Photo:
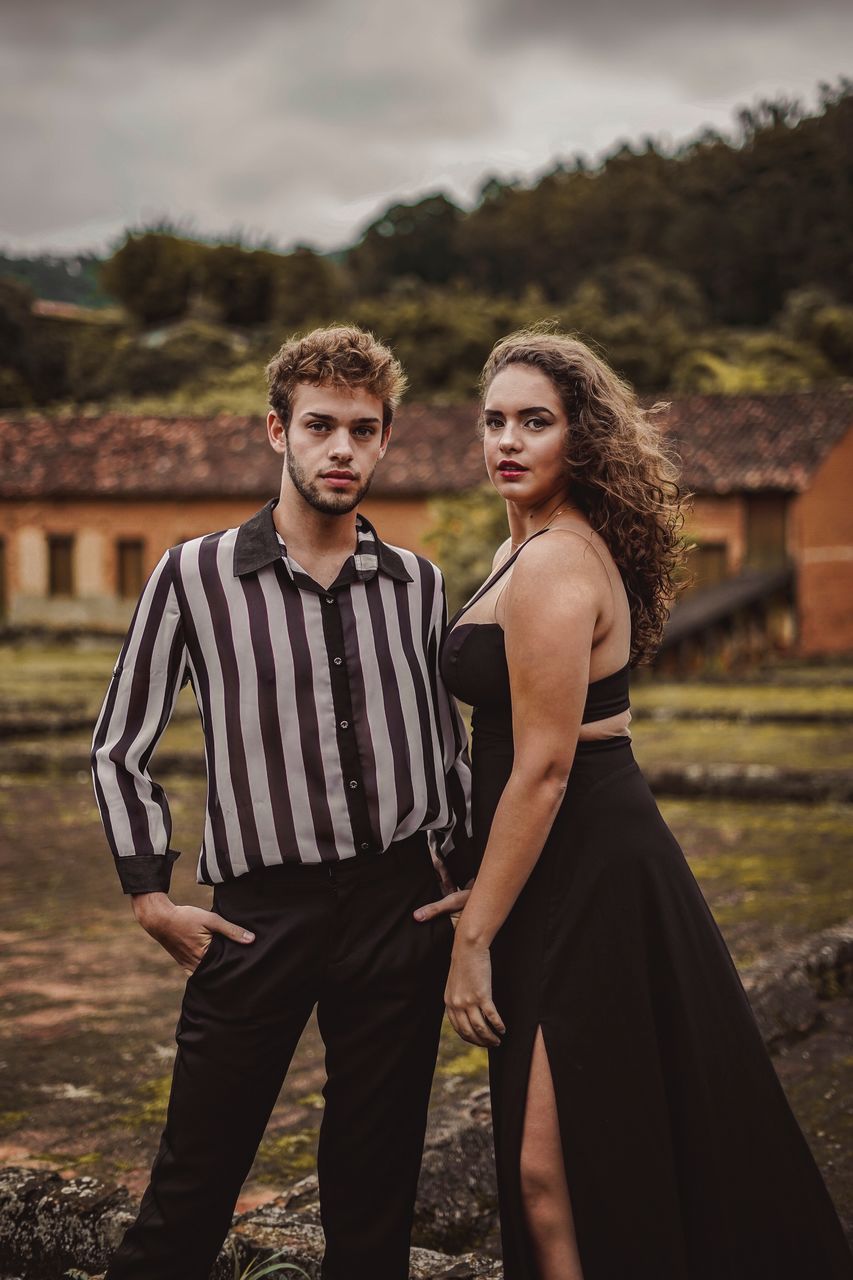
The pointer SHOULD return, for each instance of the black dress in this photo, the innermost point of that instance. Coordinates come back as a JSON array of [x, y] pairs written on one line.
[[683, 1158]]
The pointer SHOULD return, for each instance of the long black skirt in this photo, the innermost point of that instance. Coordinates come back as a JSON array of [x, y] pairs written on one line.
[[683, 1158]]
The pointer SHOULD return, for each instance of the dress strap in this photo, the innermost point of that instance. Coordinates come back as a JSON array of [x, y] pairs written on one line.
[[493, 577]]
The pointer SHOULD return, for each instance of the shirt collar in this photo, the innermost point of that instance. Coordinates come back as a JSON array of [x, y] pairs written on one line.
[[257, 544]]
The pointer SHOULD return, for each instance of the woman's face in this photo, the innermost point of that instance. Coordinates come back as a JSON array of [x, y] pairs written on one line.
[[524, 441]]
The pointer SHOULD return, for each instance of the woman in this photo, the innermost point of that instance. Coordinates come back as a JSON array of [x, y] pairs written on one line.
[[640, 1128]]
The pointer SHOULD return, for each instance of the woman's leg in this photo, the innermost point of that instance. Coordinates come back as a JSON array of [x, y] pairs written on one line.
[[544, 1189]]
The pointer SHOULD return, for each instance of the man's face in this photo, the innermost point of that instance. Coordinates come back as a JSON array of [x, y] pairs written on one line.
[[332, 445]]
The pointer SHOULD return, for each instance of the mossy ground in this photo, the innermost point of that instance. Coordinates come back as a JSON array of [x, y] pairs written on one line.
[[810, 747], [91, 1002]]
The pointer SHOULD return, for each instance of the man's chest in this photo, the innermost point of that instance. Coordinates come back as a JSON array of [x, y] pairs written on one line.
[[263, 633]]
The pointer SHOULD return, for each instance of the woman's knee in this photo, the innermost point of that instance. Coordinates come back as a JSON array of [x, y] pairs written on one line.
[[540, 1181]]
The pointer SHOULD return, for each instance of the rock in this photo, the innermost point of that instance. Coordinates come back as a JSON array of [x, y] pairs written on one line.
[[457, 1203], [787, 987], [57, 1229], [750, 782], [49, 1224], [456, 1206]]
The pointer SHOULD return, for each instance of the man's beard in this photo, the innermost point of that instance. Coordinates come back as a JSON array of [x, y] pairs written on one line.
[[331, 504]]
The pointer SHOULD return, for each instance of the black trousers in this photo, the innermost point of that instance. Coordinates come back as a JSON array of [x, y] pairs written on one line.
[[339, 936]]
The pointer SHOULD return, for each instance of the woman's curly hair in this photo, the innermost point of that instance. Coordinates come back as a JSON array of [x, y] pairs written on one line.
[[621, 473]]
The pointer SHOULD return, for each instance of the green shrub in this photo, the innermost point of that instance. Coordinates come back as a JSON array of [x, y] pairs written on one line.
[[755, 362], [466, 532], [14, 389], [154, 363]]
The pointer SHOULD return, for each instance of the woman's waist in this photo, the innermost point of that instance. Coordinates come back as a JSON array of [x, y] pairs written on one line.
[[493, 752], [493, 728]]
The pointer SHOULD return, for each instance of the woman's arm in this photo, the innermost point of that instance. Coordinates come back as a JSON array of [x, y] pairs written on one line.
[[554, 601]]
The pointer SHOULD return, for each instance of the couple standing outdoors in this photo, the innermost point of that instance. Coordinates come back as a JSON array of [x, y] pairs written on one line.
[[640, 1128]]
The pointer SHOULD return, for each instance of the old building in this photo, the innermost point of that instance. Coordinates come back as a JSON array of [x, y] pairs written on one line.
[[88, 504]]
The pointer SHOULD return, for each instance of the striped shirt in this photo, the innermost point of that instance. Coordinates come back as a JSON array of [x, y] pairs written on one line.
[[328, 731]]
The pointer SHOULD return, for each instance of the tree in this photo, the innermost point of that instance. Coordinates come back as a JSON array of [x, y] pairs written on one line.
[[239, 282], [442, 336], [152, 274], [308, 286], [643, 287], [409, 240], [16, 323], [813, 316]]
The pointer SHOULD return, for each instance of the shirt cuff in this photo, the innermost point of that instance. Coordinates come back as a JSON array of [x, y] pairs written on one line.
[[146, 872]]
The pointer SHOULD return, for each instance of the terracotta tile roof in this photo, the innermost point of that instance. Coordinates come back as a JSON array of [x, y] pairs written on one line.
[[730, 444], [727, 444]]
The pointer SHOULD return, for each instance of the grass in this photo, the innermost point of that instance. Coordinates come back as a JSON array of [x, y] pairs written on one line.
[[274, 1264], [772, 873], [735, 698], [471, 1064], [56, 677], [149, 1108], [284, 1157], [812, 746]]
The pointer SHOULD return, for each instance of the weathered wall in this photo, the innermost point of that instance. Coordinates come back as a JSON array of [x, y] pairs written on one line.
[[97, 527], [719, 519], [823, 523]]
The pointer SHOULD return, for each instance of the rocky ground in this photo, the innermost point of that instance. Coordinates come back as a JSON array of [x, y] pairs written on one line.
[[90, 1002]]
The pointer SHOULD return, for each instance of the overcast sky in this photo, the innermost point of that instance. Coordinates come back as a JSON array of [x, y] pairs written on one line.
[[301, 119]]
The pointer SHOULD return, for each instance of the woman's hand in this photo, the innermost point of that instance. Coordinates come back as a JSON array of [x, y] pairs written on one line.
[[468, 995]]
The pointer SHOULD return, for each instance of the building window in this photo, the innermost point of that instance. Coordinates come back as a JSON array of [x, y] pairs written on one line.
[[60, 552], [130, 567], [765, 529], [707, 564]]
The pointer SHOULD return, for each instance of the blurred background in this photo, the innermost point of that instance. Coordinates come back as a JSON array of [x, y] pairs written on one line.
[[189, 184]]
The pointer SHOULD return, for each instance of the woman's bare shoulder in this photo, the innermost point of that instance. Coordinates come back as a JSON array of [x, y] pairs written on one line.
[[545, 556], [501, 553]]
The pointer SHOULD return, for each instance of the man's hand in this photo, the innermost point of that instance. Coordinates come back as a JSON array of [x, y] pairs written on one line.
[[451, 902], [185, 932]]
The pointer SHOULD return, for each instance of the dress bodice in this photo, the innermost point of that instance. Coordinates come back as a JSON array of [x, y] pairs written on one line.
[[474, 668]]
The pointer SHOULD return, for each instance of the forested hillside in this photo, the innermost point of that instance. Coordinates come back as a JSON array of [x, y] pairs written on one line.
[[723, 264]]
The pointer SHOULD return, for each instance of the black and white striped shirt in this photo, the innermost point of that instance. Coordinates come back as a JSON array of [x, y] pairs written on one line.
[[328, 731]]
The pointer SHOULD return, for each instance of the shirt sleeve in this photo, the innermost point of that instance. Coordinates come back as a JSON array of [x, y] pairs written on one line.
[[140, 699], [453, 843]]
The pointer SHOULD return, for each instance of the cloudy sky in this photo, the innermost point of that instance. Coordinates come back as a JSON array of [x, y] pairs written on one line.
[[300, 119]]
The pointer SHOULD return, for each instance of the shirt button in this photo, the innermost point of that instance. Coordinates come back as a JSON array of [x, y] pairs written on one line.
[[330, 599], [345, 724], [365, 845], [338, 661], [353, 784]]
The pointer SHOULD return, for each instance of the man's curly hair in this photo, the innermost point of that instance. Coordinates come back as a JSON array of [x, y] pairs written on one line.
[[337, 356]]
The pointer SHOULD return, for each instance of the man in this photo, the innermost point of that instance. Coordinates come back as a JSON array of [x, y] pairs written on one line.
[[338, 777]]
